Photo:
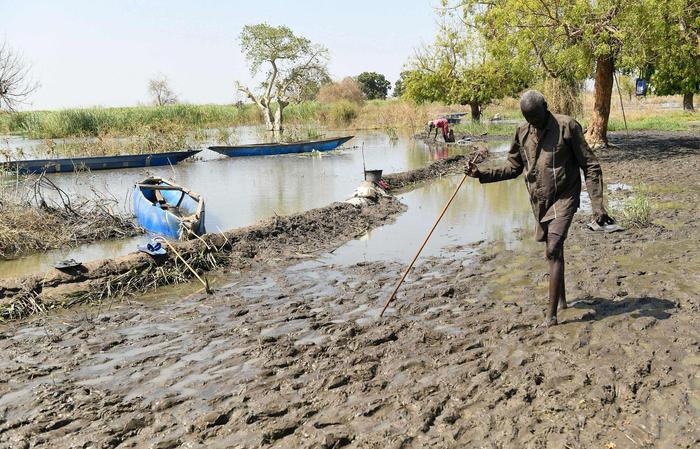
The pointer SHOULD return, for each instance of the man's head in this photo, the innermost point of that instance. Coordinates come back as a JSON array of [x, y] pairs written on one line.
[[534, 108]]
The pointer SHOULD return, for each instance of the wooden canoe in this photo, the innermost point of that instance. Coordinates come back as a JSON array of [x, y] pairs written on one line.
[[270, 149], [66, 165]]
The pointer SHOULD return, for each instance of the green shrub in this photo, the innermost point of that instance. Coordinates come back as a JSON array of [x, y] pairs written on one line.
[[343, 112], [636, 211]]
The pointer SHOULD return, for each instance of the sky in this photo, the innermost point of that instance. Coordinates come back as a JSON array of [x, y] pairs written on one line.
[[103, 52]]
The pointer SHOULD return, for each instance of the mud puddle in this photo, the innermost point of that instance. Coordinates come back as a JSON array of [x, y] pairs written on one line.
[[479, 212]]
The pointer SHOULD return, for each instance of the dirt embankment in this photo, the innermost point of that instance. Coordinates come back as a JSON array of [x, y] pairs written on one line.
[[281, 239], [437, 169], [295, 356]]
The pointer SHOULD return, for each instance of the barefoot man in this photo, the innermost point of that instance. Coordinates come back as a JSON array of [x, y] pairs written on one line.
[[550, 149], [441, 124]]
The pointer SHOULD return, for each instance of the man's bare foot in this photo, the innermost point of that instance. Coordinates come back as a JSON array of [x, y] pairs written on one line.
[[562, 304], [549, 322]]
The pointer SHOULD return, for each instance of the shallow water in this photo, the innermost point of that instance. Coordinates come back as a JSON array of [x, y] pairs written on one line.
[[241, 191], [478, 212]]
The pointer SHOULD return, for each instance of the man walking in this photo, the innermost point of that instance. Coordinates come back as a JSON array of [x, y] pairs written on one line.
[[550, 149]]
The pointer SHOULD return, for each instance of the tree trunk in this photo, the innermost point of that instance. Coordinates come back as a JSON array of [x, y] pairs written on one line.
[[688, 102], [278, 114], [476, 112], [267, 115], [597, 133]]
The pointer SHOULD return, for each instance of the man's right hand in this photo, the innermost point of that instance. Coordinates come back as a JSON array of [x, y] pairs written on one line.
[[470, 169]]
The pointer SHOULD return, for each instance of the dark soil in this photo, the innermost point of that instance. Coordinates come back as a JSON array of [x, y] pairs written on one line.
[[295, 356]]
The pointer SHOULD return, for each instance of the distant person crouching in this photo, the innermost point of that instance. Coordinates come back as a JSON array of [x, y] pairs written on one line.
[[442, 124]]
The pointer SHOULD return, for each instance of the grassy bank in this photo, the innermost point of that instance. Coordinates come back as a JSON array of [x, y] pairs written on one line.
[[128, 121], [134, 121], [174, 124]]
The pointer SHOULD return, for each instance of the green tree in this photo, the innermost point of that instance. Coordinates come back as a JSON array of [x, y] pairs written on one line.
[[293, 65], [573, 40], [626, 86], [456, 70], [672, 49], [374, 85], [399, 85]]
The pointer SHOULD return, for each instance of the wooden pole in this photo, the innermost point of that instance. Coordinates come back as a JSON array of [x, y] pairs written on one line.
[[364, 168], [627, 131], [479, 155], [203, 281], [405, 273]]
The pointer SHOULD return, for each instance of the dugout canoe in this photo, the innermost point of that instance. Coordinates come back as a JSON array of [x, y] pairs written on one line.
[[270, 149], [165, 208], [66, 165]]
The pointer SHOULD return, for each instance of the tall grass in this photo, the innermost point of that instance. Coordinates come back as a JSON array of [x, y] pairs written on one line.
[[652, 113], [636, 211], [124, 121]]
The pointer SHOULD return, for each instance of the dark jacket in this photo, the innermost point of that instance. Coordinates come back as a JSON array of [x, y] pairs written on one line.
[[551, 166]]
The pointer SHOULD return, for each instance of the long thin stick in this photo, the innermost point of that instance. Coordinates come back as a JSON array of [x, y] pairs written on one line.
[[364, 168], [479, 154], [405, 273], [627, 131], [204, 282]]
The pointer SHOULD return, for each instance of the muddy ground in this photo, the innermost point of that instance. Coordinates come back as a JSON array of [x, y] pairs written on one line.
[[295, 356]]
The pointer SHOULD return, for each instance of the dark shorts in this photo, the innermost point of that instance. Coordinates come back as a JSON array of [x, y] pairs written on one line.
[[554, 232]]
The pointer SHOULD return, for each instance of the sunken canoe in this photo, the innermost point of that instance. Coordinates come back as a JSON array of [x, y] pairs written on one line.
[[165, 208], [66, 165], [270, 149]]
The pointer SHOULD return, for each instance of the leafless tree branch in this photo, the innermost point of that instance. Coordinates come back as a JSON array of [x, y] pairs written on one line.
[[15, 83]]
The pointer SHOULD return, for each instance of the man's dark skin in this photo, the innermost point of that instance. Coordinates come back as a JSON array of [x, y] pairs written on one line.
[[541, 121]]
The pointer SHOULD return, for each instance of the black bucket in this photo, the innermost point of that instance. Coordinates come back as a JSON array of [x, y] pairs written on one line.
[[373, 175]]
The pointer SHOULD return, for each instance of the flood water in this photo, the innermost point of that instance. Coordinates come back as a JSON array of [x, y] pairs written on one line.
[[478, 212], [241, 191]]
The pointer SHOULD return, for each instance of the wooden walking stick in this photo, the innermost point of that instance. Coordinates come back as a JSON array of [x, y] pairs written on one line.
[[480, 154]]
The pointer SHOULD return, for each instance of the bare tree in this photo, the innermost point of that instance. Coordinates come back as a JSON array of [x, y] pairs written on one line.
[[15, 82], [160, 91]]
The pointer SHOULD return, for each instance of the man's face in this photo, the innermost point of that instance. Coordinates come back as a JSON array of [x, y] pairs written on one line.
[[536, 116]]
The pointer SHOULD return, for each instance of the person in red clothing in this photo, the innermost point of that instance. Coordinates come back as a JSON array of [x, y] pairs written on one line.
[[442, 124]]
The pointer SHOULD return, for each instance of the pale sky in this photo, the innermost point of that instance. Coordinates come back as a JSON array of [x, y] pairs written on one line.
[[102, 53]]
